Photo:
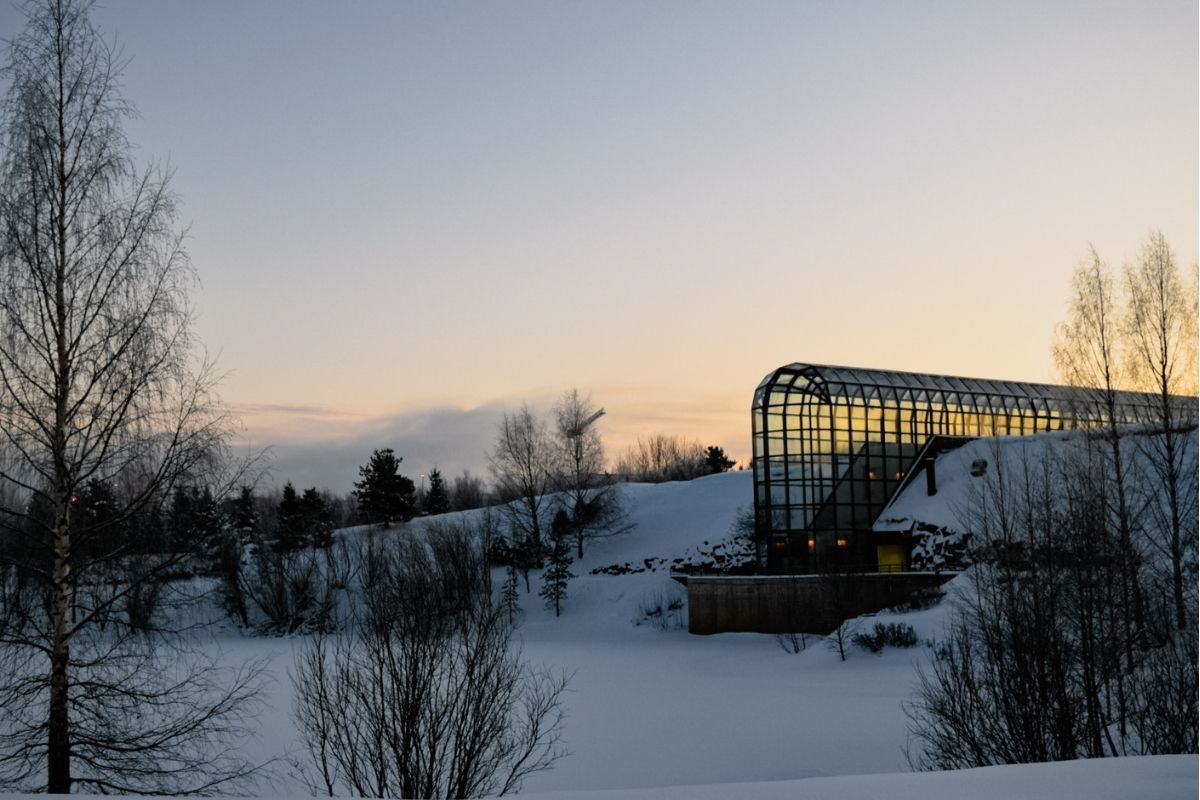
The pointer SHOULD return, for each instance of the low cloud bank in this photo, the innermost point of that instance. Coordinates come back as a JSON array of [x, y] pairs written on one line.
[[324, 447], [329, 454]]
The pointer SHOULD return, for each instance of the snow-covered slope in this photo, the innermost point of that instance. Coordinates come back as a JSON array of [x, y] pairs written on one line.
[[1148, 778], [652, 706], [654, 712], [664, 522]]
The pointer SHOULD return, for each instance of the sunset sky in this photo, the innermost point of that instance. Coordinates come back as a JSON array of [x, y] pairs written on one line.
[[408, 217]]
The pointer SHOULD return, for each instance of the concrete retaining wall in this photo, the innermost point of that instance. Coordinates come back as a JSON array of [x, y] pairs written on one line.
[[795, 603]]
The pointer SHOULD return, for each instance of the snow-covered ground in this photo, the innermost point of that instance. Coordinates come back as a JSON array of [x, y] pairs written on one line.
[[1150, 778], [657, 713], [651, 705]]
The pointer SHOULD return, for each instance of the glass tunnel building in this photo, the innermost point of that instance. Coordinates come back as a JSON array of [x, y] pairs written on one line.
[[833, 445]]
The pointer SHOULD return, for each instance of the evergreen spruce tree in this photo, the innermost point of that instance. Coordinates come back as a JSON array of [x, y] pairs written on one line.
[[242, 527], [318, 524], [384, 495], [510, 599], [209, 525], [524, 554], [291, 534], [716, 460], [245, 516], [180, 519], [96, 509], [146, 530], [437, 500], [558, 566], [196, 522]]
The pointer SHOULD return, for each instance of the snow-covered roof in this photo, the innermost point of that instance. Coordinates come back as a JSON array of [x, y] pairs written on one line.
[[951, 508]]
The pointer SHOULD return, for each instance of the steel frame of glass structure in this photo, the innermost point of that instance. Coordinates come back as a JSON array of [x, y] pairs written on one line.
[[833, 444]]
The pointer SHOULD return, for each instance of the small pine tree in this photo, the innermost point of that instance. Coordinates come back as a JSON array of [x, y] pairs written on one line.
[[179, 520], [245, 516], [716, 460], [510, 599], [500, 553], [291, 534], [210, 525], [318, 524], [196, 522], [437, 500], [95, 508], [525, 555], [384, 495], [558, 567]]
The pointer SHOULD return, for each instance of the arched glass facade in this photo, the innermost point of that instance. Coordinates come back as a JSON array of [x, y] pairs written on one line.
[[832, 445]]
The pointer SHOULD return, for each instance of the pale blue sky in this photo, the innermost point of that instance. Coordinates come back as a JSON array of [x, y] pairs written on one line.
[[402, 209]]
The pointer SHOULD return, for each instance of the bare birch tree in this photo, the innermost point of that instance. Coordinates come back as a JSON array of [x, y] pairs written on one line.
[[1090, 355], [592, 500], [522, 464], [98, 386], [1161, 334]]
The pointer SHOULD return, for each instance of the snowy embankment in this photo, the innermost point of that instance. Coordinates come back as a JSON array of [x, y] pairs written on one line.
[[1147, 778]]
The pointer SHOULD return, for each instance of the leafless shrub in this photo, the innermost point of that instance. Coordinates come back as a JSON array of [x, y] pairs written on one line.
[[1165, 709], [291, 589], [841, 637], [143, 599], [1042, 662], [663, 457], [891, 634], [230, 572], [661, 609], [467, 492], [792, 642], [426, 696]]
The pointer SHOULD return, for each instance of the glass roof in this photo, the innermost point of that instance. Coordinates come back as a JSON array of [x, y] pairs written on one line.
[[828, 382]]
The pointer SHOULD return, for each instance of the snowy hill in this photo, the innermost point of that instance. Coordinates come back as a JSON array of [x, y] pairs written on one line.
[[654, 712], [665, 522], [1148, 778]]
